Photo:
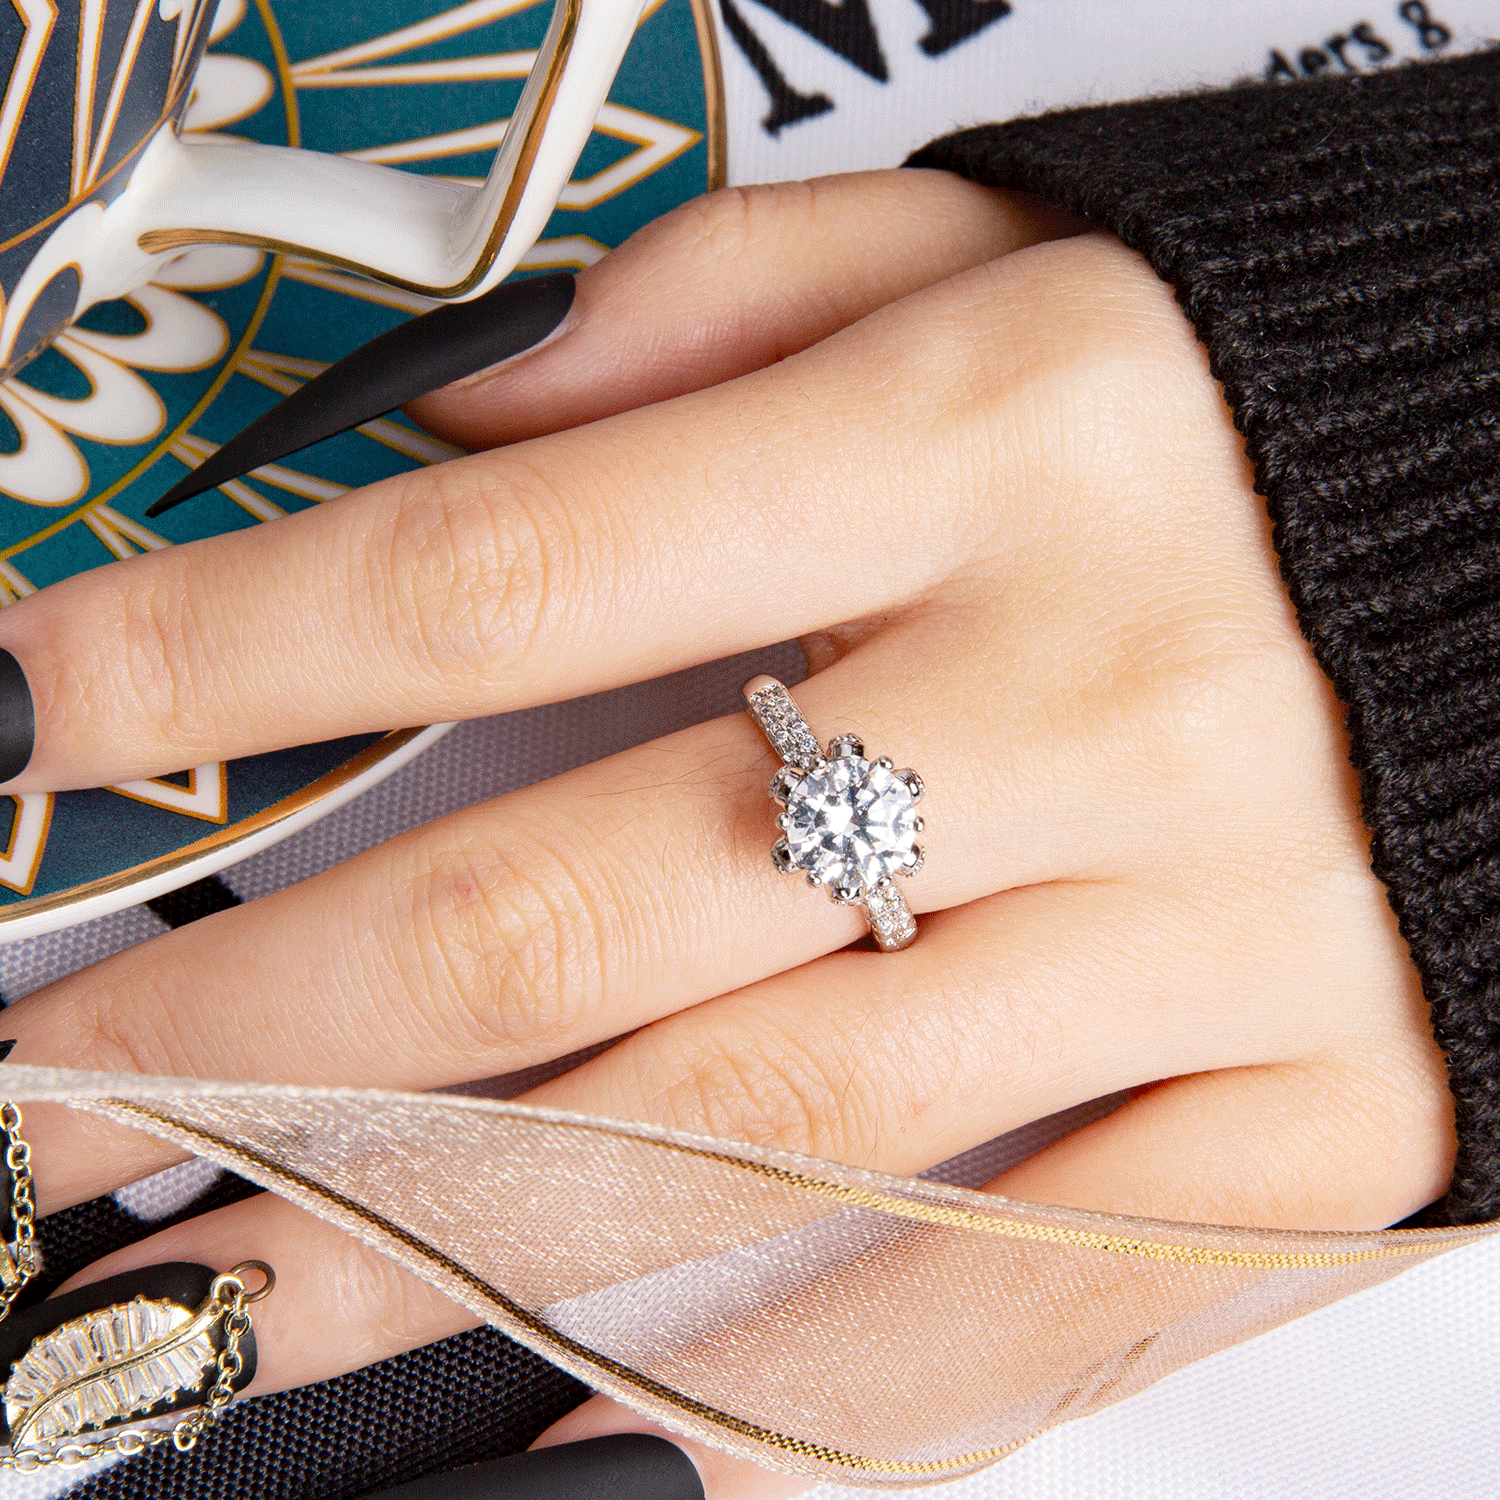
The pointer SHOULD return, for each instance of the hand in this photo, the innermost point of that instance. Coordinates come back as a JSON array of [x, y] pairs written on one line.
[[976, 462]]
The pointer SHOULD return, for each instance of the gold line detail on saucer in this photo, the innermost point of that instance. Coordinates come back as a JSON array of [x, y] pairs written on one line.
[[235, 833], [715, 113]]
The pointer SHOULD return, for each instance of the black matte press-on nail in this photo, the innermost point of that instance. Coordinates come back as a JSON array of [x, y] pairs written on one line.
[[418, 356], [5, 1047], [17, 718], [624, 1466]]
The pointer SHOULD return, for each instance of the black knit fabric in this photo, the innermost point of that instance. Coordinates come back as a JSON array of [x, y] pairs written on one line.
[[1336, 244]]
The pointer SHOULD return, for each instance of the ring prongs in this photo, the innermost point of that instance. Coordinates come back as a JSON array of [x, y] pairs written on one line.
[[848, 823], [783, 782]]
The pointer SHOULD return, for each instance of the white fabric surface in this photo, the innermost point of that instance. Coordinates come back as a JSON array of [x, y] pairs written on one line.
[[1389, 1394]]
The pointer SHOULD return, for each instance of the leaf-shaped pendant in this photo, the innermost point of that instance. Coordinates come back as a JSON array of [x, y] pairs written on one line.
[[106, 1366]]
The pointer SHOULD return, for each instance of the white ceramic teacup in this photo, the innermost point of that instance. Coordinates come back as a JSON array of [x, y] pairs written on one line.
[[98, 187]]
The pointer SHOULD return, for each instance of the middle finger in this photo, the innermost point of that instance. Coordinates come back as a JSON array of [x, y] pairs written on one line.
[[653, 540]]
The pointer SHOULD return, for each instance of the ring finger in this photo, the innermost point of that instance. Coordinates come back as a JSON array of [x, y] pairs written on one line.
[[550, 919]]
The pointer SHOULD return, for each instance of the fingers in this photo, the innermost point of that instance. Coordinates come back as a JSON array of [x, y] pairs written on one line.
[[651, 541], [723, 1478], [733, 282], [613, 897], [1005, 1011], [338, 1304], [661, 537], [569, 913], [1299, 1146], [1258, 1146], [522, 930]]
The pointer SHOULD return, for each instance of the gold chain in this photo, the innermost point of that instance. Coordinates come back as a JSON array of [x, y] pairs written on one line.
[[22, 1205], [229, 1292]]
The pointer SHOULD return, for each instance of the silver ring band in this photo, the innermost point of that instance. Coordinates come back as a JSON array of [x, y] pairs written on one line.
[[850, 823]]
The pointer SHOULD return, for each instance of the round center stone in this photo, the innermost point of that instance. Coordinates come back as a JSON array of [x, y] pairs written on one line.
[[851, 823]]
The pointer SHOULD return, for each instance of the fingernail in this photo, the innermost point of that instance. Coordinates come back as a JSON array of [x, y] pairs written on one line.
[[411, 360], [504, 328], [5, 1047], [17, 718], [624, 1466], [180, 1282]]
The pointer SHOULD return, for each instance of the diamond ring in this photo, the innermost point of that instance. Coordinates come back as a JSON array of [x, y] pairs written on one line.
[[850, 823]]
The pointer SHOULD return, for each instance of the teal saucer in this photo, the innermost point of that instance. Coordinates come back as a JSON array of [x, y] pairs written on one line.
[[142, 389]]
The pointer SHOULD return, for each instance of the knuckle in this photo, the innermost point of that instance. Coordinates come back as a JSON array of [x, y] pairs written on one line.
[[150, 679], [385, 1305], [112, 1032], [112, 1047], [759, 1084], [1398, 1091], [162, 628], [515, 939], [1325, 1174], [143, 679], [465, 568], [1094, 352], [732, 219]]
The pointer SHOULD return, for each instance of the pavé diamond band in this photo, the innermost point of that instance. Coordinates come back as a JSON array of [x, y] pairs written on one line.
[[849, 823]]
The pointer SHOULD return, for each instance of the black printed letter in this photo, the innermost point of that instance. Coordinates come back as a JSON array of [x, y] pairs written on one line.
[[955, 21], [788, 105], [843, 26]]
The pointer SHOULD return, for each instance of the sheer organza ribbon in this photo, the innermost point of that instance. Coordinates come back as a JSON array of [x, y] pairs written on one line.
[[856, 1327]]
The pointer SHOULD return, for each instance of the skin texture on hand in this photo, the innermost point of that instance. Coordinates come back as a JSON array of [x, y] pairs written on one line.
[[975, 461]]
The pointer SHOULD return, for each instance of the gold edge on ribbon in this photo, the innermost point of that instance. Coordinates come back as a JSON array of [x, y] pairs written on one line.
[[1399, 1243], [580, 1355], [543, 1332], [1085, 1239]]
